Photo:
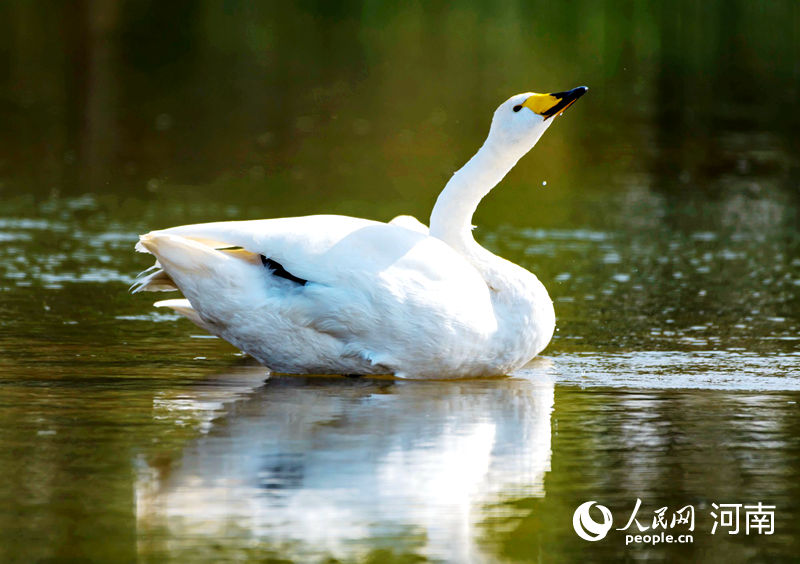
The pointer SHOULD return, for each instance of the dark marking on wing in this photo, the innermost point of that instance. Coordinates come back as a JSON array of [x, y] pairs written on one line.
[[277, 269]]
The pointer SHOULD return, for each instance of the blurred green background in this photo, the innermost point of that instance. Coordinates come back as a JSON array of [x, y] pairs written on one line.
[[368, 107]]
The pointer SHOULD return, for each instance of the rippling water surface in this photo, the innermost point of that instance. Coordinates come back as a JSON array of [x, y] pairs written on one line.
[[661, 212], [129, 435]]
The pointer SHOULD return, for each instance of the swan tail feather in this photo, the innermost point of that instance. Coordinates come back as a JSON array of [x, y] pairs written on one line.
[[183, 307], [154, 279], [185, 253]]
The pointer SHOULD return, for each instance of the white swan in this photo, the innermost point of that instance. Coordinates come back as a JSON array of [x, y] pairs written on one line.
[[336, 294]]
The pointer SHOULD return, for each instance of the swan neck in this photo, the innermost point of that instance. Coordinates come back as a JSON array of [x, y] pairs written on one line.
[[451, 218]]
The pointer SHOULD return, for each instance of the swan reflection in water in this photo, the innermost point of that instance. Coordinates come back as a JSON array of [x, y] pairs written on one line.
[[313, 466]]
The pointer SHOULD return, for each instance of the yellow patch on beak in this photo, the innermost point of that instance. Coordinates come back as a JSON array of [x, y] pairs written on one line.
[[540, 103], [548, 105]]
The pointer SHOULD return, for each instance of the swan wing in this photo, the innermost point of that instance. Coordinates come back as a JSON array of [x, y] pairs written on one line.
[[383, 292], [410, 222], [329, 249]]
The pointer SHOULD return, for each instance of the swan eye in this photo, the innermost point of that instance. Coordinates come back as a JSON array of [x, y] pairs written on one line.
[[517, 108]]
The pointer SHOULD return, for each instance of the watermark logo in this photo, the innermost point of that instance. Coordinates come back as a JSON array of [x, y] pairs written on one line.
[[759, 518], [649, 533], [586, 527], [665, 526]]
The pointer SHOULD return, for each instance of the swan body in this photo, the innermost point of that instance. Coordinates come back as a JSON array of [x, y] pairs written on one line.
[[337, 294]]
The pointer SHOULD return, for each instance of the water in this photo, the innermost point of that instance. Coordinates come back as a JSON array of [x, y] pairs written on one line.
[[662, 219]]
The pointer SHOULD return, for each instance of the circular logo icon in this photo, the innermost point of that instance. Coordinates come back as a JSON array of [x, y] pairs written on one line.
[[586, 527]]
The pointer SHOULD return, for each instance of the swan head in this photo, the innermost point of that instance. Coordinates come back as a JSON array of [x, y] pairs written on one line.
[[521, 120]]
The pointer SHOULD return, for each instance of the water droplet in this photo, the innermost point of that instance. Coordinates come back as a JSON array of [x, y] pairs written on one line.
[[163, 122]]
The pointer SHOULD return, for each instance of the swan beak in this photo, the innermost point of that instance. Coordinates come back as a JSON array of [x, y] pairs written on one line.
[[549, 105]]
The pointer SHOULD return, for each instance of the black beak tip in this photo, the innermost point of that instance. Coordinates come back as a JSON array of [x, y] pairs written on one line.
[[580, 91], [565, 100], [571, 95]]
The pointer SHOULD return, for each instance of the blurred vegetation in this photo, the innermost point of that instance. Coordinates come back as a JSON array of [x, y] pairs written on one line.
[[368, 107]]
